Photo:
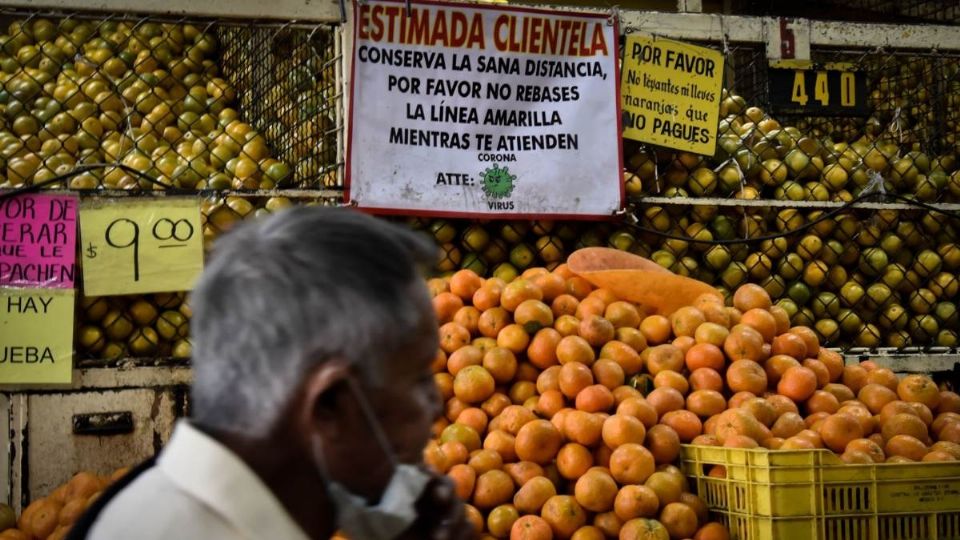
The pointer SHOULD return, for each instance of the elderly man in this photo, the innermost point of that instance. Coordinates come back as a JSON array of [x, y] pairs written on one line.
[[312, 397]]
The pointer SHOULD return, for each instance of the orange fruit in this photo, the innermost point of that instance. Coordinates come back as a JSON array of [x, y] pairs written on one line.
[[743, 343], [818, 369], [522, 471], [501, 519], [789, 344], [664, 443], [761, 409], [622, 314], [464, 478], [797, 383], [762, 321], [574, 349], [583, 427], [530, 528], [679, 519], [513, 337], [905, 446], [644, 529], [446, 305], [632, 337], [939, 455], [464, 283], [712, 531], [486, 297], [854, 378], [624, 355], [551, 285], [549, 403], [492, 321], [838, 430], [704, 355], [588, 532], [573, 378], [594, 398], [531, 497], [465, 435], [533, 315], [596, 330], [839, 391], [884, 377], [641, 409], [474, 518], [656, 329], [740, 441], [904, 424], [620, 429], [949, 402], [465, 356], [502, 443], [739, 399], [44, 519], [538, 441], [684, 343], [869, 448], [564, 304], [751, 296], [822, 401], [574, 460], [782, 404], [608, 523], [668, 487], [788, 425], [706, 379], [517, 291], [590, 306], [809, 338], [473, 384], [711, 333], [453, 336], [596, 491], [635, 501], [875, 396], [492, 488], [894, 407], [663, 357], [920, 389], [608, 373], [455, 452], [501, 364], [495, 404], [672, 379], [684, 423], [684, 321], [777, 365], [632, 463], [665, 399], [564, 515], [549, 379], [578, 287], [746, 376], [706, 403]]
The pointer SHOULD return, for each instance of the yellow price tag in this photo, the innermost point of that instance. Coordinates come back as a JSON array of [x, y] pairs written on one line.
[[36, 336], [140, 246], [670, 93]]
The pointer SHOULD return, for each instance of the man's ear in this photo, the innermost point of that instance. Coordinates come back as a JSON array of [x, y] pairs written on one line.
[[323, 390]]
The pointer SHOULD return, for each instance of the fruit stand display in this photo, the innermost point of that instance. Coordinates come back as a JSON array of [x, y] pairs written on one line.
[[841, 230], [241, 115]]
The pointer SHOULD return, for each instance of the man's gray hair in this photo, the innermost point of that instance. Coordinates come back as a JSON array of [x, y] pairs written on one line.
[[288, 291]]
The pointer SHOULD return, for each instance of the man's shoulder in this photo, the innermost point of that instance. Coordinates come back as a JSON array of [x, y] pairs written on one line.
[[152, 507]]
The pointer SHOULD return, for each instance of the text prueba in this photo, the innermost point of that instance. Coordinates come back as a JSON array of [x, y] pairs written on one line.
[[446, 27]]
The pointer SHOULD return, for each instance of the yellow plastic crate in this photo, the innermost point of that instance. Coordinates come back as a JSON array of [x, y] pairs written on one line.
[[807, 494]]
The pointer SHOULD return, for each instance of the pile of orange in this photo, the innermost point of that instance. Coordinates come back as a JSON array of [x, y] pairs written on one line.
[[565, 407], [50, 518], [545, 434]]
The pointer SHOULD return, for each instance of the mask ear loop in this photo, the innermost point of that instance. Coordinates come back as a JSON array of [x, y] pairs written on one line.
[[372, 422]]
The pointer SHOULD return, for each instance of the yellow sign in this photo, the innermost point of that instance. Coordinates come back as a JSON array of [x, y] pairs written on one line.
[[36, 335], [140, 246], [671, 93]]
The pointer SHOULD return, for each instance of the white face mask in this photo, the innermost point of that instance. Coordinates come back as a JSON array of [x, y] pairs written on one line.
[[396, 511]]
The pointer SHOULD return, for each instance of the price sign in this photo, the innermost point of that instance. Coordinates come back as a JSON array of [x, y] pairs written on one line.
[[817, 90], [130, 247], [36, 335]]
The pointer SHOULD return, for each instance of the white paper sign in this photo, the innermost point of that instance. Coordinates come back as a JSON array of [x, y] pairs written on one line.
[[468, 110]]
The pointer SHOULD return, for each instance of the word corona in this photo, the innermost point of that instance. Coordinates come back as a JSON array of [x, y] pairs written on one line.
[[529, 34]]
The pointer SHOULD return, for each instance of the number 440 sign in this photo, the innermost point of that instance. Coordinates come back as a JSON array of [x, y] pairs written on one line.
[[140, 246]]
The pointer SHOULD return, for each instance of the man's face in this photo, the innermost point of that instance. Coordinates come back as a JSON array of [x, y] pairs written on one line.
[[405, 403]]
